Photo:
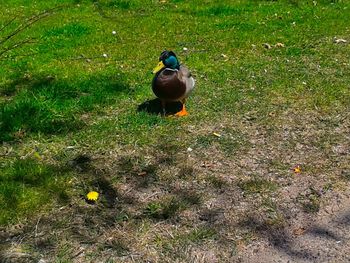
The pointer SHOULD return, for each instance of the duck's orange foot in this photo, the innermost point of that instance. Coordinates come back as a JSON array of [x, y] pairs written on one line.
[[182, 113]]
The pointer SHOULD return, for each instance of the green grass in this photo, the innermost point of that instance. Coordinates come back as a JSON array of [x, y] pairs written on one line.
[[216, 182], [174, 247], [49, 106], [310, 201], [171, 206], [29, 185], [78, 89], [257, 186]]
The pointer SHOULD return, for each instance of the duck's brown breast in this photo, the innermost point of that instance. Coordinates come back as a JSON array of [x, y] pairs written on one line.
[[166, 85]]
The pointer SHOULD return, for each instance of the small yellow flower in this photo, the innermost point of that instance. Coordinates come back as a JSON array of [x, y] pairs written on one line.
[[92, 196], [297, 169]]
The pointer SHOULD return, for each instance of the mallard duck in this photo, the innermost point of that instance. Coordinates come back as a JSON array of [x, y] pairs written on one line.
[[172, 81]]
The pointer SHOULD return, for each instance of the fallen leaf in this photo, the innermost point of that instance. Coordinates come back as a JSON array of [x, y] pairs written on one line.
[[142, 173], [340, 41], [19, 134], [279, 45], [297, 169], [299, 231], [37, 156], [207, 165], [216, 134]]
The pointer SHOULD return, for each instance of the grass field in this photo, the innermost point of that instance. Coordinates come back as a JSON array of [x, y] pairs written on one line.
[[272, 92]]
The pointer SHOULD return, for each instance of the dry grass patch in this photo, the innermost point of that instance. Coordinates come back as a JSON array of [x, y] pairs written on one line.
[[165, 203]]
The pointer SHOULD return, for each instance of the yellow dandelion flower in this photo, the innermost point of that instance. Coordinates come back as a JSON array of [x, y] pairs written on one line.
[[92, 196], [297, 169]]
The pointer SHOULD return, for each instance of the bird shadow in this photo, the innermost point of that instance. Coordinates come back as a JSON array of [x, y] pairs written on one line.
[[154, 107]]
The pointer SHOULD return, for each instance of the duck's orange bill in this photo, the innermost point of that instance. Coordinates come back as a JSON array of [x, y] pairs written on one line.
[[158, 67]]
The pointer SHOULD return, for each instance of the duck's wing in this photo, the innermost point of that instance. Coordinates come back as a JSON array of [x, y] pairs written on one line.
[[186, 77], [184, 71], [167, 85]]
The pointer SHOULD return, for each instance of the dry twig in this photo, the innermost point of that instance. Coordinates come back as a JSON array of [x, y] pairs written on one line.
[[22, 27]]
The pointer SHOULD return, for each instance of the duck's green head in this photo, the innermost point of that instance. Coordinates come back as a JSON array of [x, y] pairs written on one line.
[[167, 59]]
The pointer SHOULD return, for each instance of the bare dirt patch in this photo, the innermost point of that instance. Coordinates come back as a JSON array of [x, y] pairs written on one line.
[[231, 196]]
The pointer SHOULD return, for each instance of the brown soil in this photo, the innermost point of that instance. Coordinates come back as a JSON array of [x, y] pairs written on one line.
[[231, 196]]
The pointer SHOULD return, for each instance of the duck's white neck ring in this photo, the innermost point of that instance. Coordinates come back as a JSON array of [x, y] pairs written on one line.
[[171, 69]]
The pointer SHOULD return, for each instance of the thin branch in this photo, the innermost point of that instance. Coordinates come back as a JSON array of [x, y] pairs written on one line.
[[36, 227], [4, 58], [17, 45], [101, 12], [30, 21], [23, 27], [7, 24], [26, 24]]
